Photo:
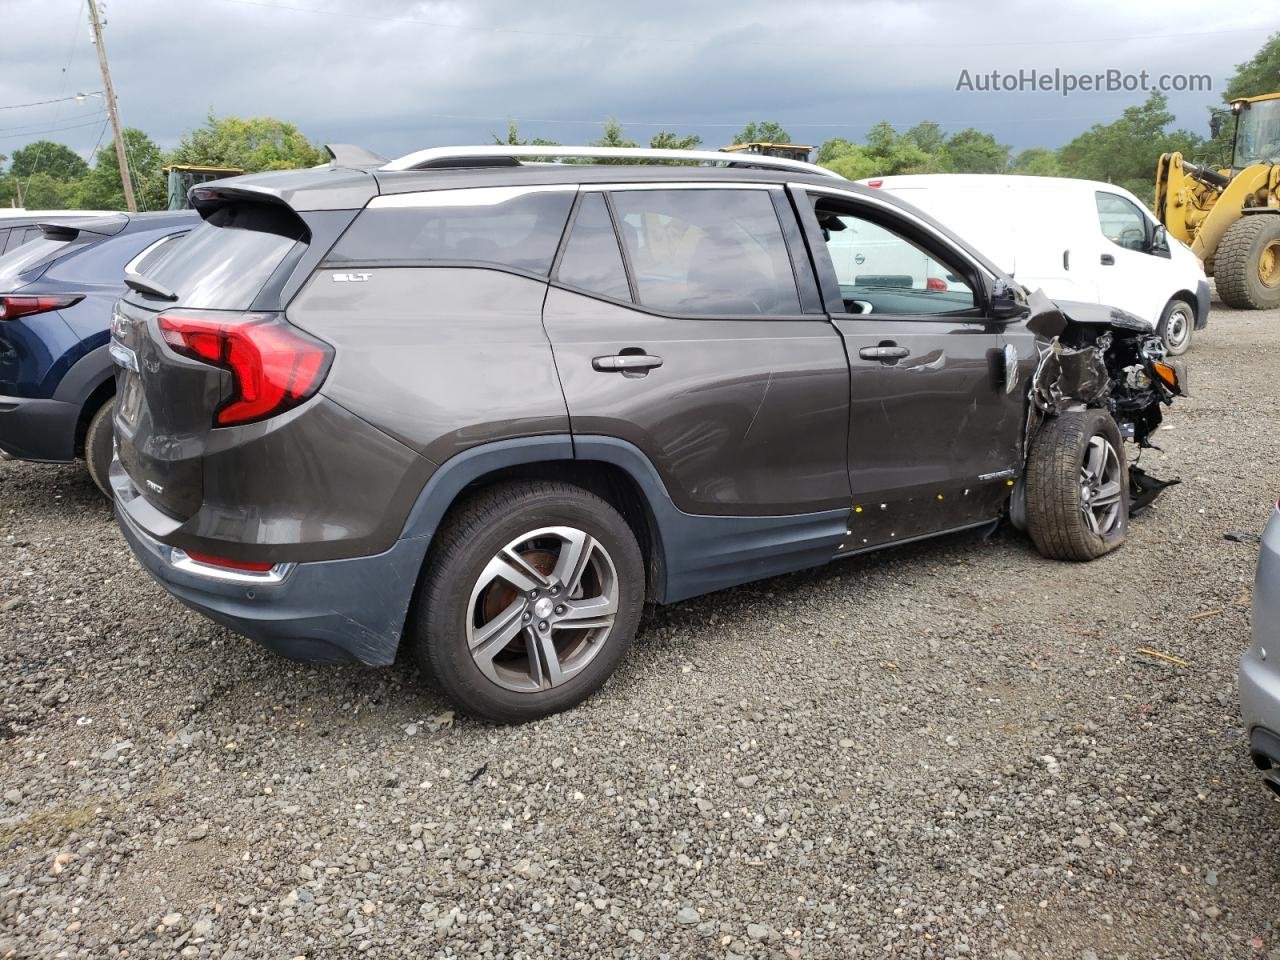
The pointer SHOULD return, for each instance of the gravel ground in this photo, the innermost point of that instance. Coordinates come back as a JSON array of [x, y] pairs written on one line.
[[949, 750]]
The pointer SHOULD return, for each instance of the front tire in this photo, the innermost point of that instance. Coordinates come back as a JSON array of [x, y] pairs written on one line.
[[99, 447], [531, 598], [1177, 325], [1077, 486], [1247, 263]]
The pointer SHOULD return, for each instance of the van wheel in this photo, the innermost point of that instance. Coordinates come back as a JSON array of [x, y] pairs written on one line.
[[1247, 263], [99, 448], [531, 598], [1077, 486], [1177, 324]]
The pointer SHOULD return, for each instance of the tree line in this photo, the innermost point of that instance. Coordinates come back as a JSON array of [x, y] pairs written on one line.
[[48, 175]]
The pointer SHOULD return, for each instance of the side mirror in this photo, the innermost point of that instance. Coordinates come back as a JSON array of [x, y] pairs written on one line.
[[1215, 124], [1007, 300], [1160, 238]]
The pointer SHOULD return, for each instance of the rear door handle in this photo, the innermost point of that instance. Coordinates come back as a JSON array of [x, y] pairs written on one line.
[[1108, 260], [886, 352], [626, 362]]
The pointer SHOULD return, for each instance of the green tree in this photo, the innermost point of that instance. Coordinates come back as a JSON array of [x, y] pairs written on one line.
[[45, 156], [972, 151], [100, 189], [1125, 151], [763, 131], [1259, 74], [253, 144], [928, 136], [663, 140], [513, 138], [1037, 162], [613, 136], [41, 191]]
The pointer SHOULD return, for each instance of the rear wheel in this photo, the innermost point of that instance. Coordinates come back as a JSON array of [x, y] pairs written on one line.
[[1077, 486], [99, 448], [1177, 324], [1246, 264], [531, 598]]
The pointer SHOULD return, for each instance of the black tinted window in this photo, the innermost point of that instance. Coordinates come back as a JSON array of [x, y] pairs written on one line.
[[503, 226], [226, 261], [707, 252], [591, 259], [154, 255]]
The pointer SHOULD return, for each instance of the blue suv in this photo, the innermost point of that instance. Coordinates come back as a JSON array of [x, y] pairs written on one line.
[[57, 383]]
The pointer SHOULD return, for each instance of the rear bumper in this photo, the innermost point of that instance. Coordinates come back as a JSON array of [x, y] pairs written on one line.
[[1202, 304], [32, 429], [1259, 675], [329, 610]]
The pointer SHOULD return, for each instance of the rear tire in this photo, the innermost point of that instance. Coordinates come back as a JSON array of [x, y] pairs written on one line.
[[1246, 265], [531, 597], [1177, 326], [99, 447], [1076, 470]]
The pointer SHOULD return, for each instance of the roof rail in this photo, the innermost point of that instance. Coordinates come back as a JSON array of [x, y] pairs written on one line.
[[504, 155]]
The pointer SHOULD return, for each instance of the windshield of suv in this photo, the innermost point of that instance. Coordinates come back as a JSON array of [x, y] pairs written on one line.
[[1258, 134]]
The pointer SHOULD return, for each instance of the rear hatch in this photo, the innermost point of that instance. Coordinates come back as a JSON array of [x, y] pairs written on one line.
[[202, 348]]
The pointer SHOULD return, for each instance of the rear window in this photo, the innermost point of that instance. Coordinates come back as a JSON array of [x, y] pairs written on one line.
[[226, 261], [514, 227], [31, 258]]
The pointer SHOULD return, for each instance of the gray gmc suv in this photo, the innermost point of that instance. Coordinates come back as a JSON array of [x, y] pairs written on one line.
[[491, 405]]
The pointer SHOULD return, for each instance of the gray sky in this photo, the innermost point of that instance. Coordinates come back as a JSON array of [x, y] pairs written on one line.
[[395, 75]]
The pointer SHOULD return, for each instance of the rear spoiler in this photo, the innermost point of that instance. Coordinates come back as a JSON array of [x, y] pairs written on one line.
[[70, 229]]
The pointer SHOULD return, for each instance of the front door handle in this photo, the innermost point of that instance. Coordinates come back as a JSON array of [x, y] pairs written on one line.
[[626, 363], [884, 353], [1108, 260]]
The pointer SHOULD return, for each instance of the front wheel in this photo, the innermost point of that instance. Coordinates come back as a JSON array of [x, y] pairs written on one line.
[[1177, 324], [531, 598], [1077, 486]]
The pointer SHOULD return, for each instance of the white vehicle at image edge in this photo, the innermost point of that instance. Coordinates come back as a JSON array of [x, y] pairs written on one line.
[[1074, 239]]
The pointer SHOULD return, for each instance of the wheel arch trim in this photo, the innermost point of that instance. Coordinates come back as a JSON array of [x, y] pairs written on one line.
[[697, 553]]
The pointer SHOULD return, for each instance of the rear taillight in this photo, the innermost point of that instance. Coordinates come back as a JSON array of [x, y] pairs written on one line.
[[246, 566], [936, 285], [273, 366], [14, 307]]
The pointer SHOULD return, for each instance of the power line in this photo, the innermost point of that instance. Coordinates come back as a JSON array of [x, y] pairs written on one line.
[[40, 103], [806, 45], [51, 126], [34, 133]]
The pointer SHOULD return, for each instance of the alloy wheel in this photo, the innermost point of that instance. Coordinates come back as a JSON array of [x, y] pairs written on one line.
[[1100, 486], [542, 609]]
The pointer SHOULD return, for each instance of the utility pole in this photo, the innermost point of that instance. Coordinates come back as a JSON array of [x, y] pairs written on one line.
[[110, 93]]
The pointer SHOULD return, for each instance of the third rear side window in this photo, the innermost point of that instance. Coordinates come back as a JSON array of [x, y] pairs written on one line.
[[516, 228]]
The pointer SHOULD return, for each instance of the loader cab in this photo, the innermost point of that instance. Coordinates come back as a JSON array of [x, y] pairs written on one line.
[[1257, 134]]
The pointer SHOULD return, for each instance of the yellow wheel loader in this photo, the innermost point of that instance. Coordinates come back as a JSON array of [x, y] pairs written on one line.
[[1231, 218]]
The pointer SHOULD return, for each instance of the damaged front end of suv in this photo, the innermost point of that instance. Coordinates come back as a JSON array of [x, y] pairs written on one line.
[[1101, 378]]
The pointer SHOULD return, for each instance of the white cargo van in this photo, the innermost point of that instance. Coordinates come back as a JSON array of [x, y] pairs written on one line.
[[1075, 239]]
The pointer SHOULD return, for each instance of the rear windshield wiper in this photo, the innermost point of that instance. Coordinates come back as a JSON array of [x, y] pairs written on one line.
[[148, 288]]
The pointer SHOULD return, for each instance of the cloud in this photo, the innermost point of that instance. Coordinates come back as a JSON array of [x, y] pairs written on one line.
[[395, 76]]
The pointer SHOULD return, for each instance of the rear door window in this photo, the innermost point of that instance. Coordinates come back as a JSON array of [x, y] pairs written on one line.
[[518, 228], [592, 260], [226, 260], [705, 252]]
